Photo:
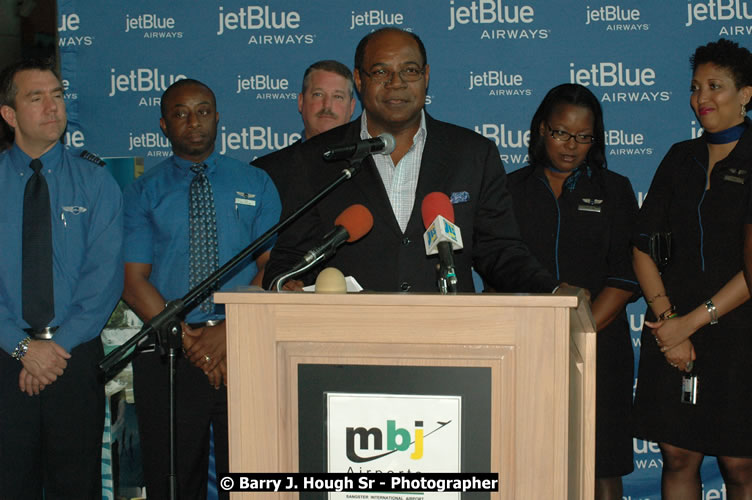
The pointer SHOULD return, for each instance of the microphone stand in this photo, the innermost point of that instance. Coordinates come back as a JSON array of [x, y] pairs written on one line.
[[165, 326]]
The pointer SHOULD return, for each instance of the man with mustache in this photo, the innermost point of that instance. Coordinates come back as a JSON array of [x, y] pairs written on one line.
[[326, 101], [183, 218]]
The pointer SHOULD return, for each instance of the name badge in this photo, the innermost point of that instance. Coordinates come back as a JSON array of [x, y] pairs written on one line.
[[590, 205], [733, 178], [245, 201], [737, 175]]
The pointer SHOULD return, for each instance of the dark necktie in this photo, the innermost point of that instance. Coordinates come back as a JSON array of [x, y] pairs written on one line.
[[204, 258], [37, 294]]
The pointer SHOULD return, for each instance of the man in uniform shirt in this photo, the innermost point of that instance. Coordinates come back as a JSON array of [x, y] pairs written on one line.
[[61, 274], [183, 218]]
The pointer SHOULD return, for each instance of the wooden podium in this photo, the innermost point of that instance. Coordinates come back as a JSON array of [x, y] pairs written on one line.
[[540, 349]]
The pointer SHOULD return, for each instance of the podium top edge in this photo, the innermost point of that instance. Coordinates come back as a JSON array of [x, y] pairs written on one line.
[[399, 299]]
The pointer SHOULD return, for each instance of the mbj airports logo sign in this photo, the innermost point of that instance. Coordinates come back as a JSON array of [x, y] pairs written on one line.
[[372, 433], [396, 433]]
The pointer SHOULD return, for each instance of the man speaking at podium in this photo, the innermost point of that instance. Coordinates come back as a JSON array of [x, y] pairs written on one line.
[[391, 75]]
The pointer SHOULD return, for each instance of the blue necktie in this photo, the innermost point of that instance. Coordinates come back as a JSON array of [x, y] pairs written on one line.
[[37, 296], [204, 257]]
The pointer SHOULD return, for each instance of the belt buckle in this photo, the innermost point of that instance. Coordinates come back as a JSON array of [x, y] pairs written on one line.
[[45, 333]]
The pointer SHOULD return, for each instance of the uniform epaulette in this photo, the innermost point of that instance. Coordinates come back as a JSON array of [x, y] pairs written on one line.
[[92, 158]]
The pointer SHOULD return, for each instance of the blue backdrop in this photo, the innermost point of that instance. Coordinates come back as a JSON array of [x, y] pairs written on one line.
[[492, 62]]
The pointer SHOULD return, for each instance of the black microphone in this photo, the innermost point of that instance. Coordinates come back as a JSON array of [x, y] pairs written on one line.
[[383, 144]]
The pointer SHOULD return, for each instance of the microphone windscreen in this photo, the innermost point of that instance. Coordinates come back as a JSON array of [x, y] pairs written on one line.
[[435, 204], [389, 143], [357, 219], [331, 280]]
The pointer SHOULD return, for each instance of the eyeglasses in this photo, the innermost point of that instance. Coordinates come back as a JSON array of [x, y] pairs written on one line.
[[408, 74], [563, 136]]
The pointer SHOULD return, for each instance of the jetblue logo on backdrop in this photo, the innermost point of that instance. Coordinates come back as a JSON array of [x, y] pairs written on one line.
[[499, 83], [507, 139], [255, 138], [695, 130], [265, 86], [622, 143], [142, 80], [68, 32], [152, 26], [151, 140], [374, 18], [68, 94], [616, 18], [641, 447], [74, 138], [255, 17], [493, 15], [718, 10], [611, 74]]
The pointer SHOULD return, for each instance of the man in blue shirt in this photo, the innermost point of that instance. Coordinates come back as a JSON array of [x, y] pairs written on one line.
[[51, 429], [163, 222]]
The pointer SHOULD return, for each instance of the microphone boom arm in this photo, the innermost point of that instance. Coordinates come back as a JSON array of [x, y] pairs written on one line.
[[177, 309]]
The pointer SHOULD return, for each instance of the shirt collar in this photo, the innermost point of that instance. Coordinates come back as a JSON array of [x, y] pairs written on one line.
[[421, 133], [51, 159], [185, 165]]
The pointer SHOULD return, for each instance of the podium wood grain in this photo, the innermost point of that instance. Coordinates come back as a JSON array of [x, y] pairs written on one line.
[[540, 349]]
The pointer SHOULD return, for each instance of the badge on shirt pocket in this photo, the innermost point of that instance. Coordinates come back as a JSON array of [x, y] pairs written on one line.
[[590, 205], [244, 199], [737, 175]]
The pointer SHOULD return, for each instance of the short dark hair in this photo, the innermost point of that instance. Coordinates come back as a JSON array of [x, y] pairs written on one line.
[[8, 89], [729, 56], [331, 66], [180, 84], [360, 51], [576, 95]]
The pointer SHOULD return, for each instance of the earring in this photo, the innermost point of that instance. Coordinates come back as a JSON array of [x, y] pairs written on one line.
[[743, 112]]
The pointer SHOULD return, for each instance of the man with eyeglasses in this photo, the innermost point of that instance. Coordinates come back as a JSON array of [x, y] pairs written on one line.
[[391, 75]]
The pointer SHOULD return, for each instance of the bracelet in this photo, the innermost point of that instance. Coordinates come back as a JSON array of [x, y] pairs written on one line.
[[661, 294], [20, 351], [712, 311], [668, 314]]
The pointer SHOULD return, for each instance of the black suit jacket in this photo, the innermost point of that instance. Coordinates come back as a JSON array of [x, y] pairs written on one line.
[[283, 167], [456, 161]]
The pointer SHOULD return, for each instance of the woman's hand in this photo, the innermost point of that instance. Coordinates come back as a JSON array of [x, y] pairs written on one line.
[[671, 332], [681, 356]]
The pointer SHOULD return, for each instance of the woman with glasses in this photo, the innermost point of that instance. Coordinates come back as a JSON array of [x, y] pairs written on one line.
[[576, 216], [695, 375]]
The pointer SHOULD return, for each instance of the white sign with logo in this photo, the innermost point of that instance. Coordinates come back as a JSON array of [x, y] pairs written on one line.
[[370, 433]]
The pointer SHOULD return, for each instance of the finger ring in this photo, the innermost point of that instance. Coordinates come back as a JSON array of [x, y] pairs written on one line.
[[673, 364], [690, 364], [207, 358]]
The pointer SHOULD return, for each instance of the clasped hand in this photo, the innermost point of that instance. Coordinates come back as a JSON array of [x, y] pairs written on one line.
[[43, 363], [672, 336], [206, 348]]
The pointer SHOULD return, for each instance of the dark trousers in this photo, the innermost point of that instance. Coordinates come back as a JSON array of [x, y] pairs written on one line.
[[53, 441], [198, 406]]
